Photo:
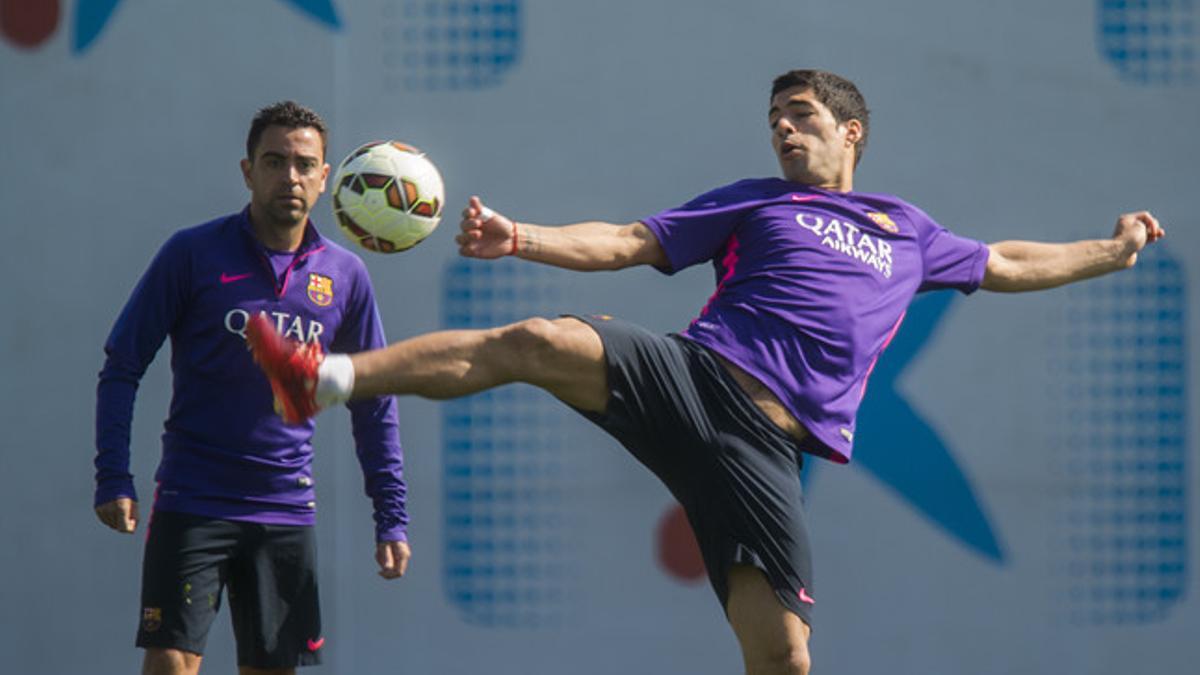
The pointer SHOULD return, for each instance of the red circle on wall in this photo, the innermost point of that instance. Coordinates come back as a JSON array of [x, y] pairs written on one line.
[[28, 23], [678, 552]]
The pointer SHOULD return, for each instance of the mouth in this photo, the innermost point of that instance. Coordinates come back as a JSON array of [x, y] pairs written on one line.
[[290, 200], [789, 150]]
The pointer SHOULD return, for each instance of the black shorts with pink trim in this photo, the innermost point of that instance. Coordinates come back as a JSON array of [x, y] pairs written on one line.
[[737, 475], [268, 573]]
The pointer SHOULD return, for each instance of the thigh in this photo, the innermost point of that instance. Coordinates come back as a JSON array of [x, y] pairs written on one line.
[[183, 571], [273, 598], [564, 356], [772, 637], [748, 510], [652, 403]]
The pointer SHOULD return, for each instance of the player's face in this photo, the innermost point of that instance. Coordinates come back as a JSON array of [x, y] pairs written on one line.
[[286, 176], [812, 147]]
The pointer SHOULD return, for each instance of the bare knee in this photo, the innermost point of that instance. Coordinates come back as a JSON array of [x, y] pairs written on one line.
[[535, 337], [159, 661], [774, 640], [790, 658], [563, 356]]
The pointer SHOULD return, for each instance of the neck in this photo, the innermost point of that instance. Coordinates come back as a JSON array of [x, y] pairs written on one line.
[[843, 182], [846, 184], [275, 235]]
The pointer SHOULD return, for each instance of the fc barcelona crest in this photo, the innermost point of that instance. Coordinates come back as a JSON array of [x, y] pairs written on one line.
[[320, 289], [151, 619], [884, 221]]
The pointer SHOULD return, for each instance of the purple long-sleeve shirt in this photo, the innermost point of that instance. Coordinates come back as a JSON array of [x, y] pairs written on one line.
[[811, 287], [226, 454]]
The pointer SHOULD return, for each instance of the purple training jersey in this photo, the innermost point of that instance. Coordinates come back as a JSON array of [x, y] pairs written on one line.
[[811, 287], [226, 454]]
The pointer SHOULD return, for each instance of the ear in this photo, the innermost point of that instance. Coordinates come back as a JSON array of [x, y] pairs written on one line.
[[245, 163], [854, 131], [324, 177]]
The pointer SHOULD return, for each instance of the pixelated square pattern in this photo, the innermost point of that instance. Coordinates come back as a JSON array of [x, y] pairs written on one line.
[[450, 44], [504, 559], [1150, 41], [1123, 447]]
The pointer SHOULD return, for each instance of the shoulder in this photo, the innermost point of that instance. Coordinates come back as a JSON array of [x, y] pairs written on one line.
[[748, 190], [204, 236], [882, 200], [757, 188], [897, 208]]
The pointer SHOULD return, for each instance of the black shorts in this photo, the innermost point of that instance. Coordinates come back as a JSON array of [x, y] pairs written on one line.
[[268, 571], [676, 408]]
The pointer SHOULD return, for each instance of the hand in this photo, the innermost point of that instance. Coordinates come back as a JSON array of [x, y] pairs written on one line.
[[485, 233], [392, 557], [121, 514], [1135, 231]]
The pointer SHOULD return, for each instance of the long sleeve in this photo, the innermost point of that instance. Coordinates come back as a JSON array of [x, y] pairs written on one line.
[[136, 337], [375, 423]]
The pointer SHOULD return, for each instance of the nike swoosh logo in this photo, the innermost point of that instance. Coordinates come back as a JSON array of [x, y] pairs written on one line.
[[314, 645], [805, 597], [807, 198], [227, 278]]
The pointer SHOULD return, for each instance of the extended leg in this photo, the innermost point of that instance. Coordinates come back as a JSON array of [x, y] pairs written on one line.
[[774, 640], [563, 356]]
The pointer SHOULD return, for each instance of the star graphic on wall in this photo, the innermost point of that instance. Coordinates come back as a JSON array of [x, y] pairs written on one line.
[[91, 17], [904, 452]]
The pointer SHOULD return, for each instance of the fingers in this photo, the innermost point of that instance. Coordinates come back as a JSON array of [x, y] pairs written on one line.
[[392, 557], [484, 233], [402, 556], [1139, 229], [131, 516], [102, 514], [120, 514], [1154, 231], [475, 210]]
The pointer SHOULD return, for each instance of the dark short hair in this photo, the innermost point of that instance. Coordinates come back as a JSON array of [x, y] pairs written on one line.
[[837, 93], [287, 114]]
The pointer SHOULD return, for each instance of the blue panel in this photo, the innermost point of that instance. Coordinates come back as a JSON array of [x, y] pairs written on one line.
[[1124, 446], [456, 44], [1149, 41], [502, 454]]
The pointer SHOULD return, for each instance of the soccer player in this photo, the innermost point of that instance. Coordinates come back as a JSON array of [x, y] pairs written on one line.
[[813, 280], [234, 505]]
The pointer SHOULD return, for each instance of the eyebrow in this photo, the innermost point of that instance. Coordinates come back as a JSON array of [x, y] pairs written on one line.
[[790, 103], [279, 155]]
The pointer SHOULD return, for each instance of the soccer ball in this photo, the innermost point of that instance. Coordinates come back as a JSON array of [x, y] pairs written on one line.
[[387, 196]]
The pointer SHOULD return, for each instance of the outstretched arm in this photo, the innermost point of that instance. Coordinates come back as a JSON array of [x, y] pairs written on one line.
[[586, 246], [1015, 266]]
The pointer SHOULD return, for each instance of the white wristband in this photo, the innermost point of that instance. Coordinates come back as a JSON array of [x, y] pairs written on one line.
[[335, 380]]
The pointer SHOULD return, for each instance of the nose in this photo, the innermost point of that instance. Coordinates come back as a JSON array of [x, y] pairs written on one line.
[[784, 127], [293, 173]]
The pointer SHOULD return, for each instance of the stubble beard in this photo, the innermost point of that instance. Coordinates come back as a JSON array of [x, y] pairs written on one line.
[[287, 217]]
